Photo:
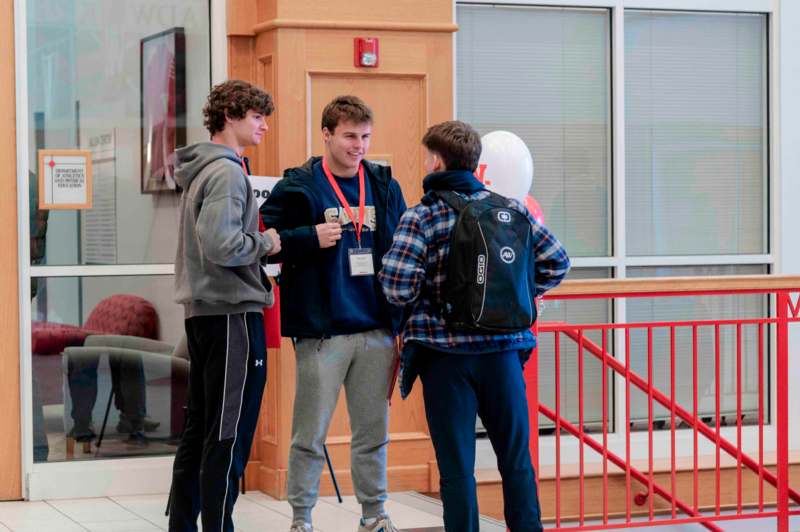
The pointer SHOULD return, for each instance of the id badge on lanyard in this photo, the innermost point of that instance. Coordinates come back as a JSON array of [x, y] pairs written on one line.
[[361, 262]]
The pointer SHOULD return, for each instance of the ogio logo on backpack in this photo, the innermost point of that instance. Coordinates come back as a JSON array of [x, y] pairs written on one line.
[[481, 269], [504, 216], [507, 255]]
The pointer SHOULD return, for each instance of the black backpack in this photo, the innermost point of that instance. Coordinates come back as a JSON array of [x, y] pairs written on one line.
[[490, 285]]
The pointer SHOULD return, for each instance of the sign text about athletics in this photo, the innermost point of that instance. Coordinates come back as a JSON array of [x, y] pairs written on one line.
[[66, 177]]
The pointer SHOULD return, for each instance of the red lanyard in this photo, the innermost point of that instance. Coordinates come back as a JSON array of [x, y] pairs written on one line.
[[244, 166], [361, 197]]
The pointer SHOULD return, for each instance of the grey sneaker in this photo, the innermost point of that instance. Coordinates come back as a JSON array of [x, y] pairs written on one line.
[[383, 524], [300, 526]]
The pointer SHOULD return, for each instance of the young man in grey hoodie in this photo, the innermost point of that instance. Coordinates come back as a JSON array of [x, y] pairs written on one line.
[[220, 283]]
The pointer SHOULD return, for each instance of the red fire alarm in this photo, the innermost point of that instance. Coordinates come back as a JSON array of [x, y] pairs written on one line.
[[366, 51]]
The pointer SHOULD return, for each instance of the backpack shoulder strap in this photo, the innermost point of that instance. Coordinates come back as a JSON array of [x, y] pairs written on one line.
[[500, 199], [455, 201]]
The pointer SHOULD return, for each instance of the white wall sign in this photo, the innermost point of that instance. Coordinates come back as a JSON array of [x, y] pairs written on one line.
[[65, 179], [262, 188], [99, 224]]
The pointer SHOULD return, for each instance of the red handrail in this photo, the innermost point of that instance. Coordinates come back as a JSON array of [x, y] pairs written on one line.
[[786, 312]]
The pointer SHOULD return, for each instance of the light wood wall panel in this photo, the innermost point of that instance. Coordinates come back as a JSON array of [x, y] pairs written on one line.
[[400, 121], [239, 17], [305, 66], [10, 447], [364, 12], [302, 52]]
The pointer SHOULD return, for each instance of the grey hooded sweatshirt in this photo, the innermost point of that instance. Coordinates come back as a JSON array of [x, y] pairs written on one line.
[[220, 250]]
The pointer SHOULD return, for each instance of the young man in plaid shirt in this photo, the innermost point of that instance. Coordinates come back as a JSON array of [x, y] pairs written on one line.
[[465, 374]]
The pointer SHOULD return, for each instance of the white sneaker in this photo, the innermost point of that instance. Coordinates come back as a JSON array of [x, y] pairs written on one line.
[[383, 524], [300, 526]]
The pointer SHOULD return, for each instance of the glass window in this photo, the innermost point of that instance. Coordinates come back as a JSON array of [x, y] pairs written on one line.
[[696, 168], [696, 133], [90, 75], [668, 309], [108, 342], [587, 311], [125, 80], [543, 74]]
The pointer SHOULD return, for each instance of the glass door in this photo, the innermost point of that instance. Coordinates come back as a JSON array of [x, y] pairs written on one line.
[[116, 86]]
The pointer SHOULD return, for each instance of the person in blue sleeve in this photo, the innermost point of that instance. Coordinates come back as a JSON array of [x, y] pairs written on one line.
[[464, 373], [336, 215]]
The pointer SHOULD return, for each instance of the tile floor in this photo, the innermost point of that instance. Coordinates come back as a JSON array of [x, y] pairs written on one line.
[[254, 512]]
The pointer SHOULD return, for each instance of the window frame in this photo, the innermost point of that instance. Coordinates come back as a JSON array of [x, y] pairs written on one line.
[[56, 480], [619, 262]]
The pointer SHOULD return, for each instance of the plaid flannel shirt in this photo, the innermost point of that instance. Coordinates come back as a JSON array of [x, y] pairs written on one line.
[[413, 275]]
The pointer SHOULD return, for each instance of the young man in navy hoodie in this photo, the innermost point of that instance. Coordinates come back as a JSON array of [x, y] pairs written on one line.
[[223, 290], [465, 374], [336, 215]]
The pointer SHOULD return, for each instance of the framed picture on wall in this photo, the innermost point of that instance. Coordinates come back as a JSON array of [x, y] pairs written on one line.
[[162, 69]]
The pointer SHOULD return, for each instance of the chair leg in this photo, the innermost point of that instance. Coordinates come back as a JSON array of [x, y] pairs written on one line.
[[105, 422], [86, 447]]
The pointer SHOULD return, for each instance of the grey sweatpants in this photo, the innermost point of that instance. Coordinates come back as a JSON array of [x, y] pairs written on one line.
[[363, 363]]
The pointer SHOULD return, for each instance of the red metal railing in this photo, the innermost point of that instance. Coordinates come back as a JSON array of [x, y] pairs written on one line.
[[640, 508]]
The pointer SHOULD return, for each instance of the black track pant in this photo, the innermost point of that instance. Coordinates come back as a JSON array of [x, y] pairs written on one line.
[[227, 375]]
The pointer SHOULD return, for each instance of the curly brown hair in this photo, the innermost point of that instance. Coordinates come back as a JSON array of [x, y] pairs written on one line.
[[345, 109], [456, 142], [233, 98]]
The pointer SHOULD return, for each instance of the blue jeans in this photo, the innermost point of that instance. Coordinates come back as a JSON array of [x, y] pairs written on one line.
[[456, 388]]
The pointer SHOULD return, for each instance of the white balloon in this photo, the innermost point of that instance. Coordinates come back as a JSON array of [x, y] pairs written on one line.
[[508, 164]]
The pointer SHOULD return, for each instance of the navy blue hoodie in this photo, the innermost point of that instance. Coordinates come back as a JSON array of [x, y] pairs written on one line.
[[294, 208]]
